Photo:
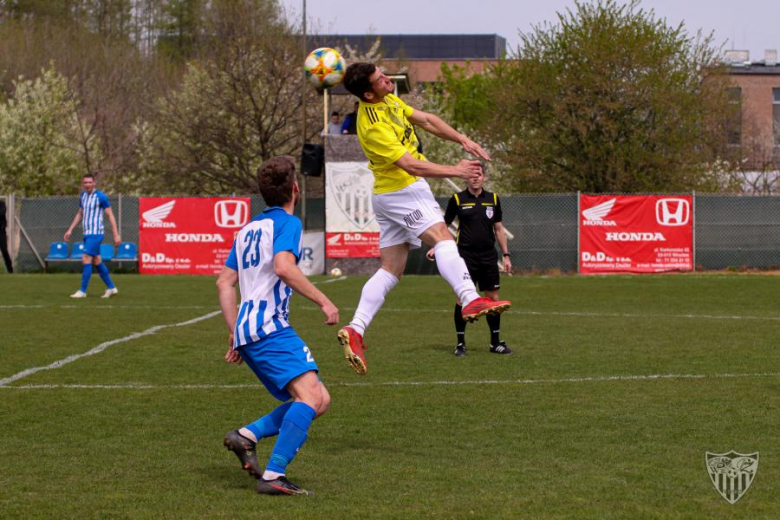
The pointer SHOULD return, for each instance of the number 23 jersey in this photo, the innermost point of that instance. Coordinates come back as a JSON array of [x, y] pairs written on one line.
[[265, 298]]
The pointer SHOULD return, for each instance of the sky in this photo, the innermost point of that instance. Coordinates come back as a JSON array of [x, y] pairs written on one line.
[[752, 25]]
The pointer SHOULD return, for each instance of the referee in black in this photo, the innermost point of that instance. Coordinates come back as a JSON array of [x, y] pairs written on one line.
[[479, 215]]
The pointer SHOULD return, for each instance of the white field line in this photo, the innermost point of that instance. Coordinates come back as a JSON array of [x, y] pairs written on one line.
[[106, 307], [447, 311], [103, 346], [331, 280], [579, 314], [595, 379]]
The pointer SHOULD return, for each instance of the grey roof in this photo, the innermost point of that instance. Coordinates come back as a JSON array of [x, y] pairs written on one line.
[[421, 46], [755, 68]]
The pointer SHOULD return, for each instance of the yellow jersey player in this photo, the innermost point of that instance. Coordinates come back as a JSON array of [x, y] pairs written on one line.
[[404, 206]]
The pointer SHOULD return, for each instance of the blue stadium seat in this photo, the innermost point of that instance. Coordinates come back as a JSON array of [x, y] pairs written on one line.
[[77, 251], [127, 251], [106, 252], [58, 251]]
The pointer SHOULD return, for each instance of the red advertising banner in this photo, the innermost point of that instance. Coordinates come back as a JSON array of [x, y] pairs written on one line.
[[188, 235], [352, 245], [635, 233]]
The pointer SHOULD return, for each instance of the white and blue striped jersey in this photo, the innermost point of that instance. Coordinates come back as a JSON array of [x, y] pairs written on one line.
[[265, 298], [93, 204]]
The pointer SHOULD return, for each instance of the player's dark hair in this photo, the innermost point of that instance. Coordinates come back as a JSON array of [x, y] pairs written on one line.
[[356, 78], [335, 113], [275, 177], [88, 176]]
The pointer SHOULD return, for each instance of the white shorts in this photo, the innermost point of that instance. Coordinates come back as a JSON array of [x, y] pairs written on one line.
[[405, 214]]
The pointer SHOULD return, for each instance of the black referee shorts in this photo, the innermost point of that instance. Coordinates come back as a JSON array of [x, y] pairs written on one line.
[[483, 270]]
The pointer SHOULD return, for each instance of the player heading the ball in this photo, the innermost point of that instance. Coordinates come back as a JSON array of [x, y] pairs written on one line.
[[405, 208]]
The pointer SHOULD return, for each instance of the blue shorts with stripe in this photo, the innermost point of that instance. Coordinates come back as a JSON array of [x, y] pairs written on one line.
[[277, 359], [92, 244]]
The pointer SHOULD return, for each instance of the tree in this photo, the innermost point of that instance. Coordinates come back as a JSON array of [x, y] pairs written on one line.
[[180, 28], [609, 99], [40, 149], [239, 104]]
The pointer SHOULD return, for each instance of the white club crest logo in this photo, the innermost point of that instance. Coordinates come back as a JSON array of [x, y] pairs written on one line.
[[351, 187], [732, 473], [489, 212]]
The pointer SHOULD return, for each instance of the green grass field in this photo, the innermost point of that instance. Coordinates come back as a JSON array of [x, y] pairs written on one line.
[[571, 426]]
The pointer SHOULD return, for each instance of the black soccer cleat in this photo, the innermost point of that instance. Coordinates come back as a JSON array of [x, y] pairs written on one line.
[[501, 348], [460, 350], [280, 486], [245, 451]]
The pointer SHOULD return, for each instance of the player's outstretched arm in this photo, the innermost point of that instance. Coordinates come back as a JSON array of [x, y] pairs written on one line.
[[435, 125], [286, 269], [465, 169], [73, 224]]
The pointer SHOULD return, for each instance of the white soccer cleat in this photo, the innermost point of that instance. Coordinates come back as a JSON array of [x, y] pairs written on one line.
[[79, 294], [109, 293]]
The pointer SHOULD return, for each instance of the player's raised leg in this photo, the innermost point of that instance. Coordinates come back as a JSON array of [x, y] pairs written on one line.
[[454, 270]]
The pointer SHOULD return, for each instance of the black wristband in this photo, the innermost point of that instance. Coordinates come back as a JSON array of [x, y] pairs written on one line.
[[507, 254]]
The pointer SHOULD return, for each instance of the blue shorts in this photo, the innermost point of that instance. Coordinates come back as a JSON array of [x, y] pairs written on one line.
[[278, 359], [92, 244]]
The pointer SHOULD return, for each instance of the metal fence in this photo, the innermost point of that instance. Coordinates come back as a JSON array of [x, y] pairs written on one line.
[[730, 231]]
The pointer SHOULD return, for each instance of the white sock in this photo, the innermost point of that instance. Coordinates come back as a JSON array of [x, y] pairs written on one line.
[[248, 434], [371, 299], [453, 269], [271, 475]]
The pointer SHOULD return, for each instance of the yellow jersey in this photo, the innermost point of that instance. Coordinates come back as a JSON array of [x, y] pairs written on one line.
[[385, 134]]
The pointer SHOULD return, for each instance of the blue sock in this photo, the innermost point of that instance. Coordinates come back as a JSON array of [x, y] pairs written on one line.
[[86, 273], [103, 272], [269, 425], [292, 435]]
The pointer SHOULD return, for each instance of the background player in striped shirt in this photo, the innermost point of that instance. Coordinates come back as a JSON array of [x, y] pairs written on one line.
[[263, 262], [92, 205]]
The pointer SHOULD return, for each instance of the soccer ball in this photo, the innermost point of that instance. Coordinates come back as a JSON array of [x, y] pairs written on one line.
[[324, 67], [335, 272]]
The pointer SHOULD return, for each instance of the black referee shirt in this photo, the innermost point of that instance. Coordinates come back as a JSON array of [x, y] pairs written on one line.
[[476, 215]]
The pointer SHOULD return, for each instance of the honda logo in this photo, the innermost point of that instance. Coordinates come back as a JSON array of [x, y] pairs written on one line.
[[155, 217], [595, 216], [672, 212], [231, 213]]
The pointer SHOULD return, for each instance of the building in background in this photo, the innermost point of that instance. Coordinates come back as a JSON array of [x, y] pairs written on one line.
[[420, 56], [756, 87]]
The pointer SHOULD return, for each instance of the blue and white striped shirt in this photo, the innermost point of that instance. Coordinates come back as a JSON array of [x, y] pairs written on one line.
[[93, 204], [265, 298]]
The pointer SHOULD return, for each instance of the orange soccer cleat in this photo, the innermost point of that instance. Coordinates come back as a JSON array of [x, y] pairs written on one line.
[[483, 306], [353, 349]]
